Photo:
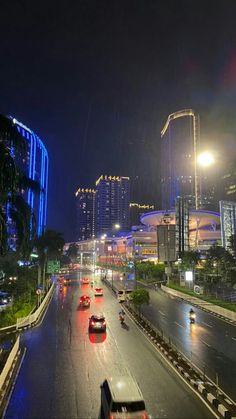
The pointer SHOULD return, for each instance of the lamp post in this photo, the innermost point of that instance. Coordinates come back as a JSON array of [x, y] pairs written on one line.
[[116, 227]]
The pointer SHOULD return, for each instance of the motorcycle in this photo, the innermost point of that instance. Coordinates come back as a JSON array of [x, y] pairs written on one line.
[[192, 317], [122, 318]]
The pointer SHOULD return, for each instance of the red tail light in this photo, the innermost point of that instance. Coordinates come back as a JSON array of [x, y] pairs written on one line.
[[104, 323], [111, 417], [145, 415], [92, 323]]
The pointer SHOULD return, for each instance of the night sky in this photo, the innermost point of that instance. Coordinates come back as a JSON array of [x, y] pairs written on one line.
[[96, 80]]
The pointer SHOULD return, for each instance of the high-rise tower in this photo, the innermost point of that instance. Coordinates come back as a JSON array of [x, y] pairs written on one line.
[[179, 147], [112, 203], [85, 204]]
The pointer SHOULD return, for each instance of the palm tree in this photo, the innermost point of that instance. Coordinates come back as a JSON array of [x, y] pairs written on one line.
[[49, 245]]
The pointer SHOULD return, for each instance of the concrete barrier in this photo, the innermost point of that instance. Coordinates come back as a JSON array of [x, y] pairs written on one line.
[[32, 318], [9, 363], [224, 312]]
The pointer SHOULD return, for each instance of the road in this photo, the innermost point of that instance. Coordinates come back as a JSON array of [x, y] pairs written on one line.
[[210, 343], [64, 365]]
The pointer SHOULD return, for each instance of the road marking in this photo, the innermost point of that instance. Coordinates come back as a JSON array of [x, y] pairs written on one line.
[[207, 344], [180, 325], [234, 338], [207, 324], [163, 314]]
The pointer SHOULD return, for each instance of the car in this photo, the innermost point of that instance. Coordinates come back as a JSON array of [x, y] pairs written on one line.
[[98, 292], [121, 397], [85, 280], [84, 301], [97, 322]]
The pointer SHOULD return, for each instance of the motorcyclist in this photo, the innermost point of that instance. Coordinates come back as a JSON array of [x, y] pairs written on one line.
[[192, 315], [122, 315]]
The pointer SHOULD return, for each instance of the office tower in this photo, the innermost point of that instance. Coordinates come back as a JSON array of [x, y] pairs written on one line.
[[34, 166], [85, 203], [112, 203], [136, 210], [228, 222], [179, 147]]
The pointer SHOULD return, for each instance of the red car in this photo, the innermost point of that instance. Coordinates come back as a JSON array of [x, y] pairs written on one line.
[[85, 280], [98, 292], [84, 301]]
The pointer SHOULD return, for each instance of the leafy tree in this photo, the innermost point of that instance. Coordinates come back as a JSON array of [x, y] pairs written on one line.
[[190, 258], [139, 297], [49, 246], [72, 252]]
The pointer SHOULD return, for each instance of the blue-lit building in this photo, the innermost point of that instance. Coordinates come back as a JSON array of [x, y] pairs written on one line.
[[35, 166]]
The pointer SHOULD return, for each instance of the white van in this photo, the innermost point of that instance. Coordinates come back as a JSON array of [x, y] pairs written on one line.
[[123, 295], [121, 398]]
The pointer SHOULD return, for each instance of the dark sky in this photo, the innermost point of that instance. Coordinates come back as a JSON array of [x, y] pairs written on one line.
[[96, 81]]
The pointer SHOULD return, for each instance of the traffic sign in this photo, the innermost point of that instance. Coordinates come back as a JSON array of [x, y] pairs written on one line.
[[53, 266]]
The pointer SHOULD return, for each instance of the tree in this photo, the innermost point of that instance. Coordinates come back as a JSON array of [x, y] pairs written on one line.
[[190, 258], [139, 297], [72, 252], [49, 245]]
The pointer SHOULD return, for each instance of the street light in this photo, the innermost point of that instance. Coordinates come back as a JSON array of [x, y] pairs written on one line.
[[206, 159]]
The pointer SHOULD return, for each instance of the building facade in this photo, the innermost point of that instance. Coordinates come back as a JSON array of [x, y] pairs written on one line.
[[228, 222], [179, 147], [35, 167], [112, 203], [136, 210], [85, 214]]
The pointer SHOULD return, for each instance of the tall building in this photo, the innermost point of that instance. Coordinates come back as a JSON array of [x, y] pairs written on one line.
[[136, 210], [35, 166], [227, 221], [85, 214], [112, 203], [179, 147]]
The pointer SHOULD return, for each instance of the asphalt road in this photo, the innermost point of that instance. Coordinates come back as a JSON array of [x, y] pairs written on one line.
[[210, 343], [64, 365]]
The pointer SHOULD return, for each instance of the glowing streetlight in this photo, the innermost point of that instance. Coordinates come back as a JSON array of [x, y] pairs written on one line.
[[205, 159], [117, 226]]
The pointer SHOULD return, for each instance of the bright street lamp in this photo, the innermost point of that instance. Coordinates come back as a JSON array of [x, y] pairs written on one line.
[[206, 159]]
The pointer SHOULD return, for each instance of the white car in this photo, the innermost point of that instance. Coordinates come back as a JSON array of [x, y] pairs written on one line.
[[98, 292]]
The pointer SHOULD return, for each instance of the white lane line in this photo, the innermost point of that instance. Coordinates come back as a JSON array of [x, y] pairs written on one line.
[[207, 324], [163, 314], [180, 325], [207, 344], [234, 338]]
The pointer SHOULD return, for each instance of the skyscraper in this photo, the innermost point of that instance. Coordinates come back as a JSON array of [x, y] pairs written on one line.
[[112, 203], [35, 166], [179, 147], [85, 214]]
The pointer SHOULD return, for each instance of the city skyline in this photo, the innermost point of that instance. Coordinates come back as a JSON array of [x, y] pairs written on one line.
[[98, 82]]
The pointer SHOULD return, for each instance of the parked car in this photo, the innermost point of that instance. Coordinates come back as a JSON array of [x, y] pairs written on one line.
[[97, 322]]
